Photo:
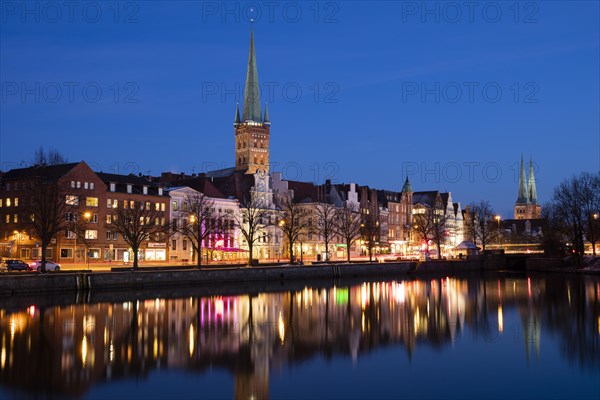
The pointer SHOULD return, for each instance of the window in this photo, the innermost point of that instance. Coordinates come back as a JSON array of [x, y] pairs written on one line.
[[25, 254], [131, 204], [125, 204], [108, 203], [145, 190], [112, 187], [86, 185], [160, 191], [94, 253], [78, 185], [1, 202], [16, 202], [157, 206], [148, 205], [115, 203], [109, 219], [91, 234], [69, 234], [129, 188], [8, 202], [115, 235], [174, 224], [162, 206], [185, 206], [173, 206], [108, 235], [66, 253], [184, 244], [8, 187], [16, 218], [7, 218], [92, 185], [91, 201], [174, 245], [72, 200], [73, 184], [95, 218]]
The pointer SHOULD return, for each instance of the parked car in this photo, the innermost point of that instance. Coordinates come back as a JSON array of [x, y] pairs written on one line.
[[50, 266], [15, 265]]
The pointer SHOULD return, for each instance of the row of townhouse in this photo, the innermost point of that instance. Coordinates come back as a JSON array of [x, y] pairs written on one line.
[[92, 199], [84, 214]]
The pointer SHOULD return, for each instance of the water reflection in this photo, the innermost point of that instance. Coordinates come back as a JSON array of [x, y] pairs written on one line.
[[71, 348]]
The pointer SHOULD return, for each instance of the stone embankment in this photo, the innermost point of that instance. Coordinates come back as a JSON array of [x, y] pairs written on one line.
[[55, 282]]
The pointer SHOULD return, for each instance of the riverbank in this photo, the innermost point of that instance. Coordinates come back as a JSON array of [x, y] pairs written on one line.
[[12, 284], [23, 283]]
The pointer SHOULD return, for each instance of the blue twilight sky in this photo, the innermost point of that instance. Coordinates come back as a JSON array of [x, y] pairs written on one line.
[[449, 93]]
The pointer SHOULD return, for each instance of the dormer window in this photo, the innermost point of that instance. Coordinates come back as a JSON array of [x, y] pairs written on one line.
[[112, 187], [129, 188], [160, 192], [145, 189]]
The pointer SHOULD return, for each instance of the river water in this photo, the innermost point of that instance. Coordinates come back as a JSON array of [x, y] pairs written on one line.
[[502, 336]]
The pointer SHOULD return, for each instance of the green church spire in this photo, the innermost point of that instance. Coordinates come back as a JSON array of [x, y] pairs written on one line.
[[407, 188], [237, 115], [523, 197], [266, 119], [252, 91], [531, 184]]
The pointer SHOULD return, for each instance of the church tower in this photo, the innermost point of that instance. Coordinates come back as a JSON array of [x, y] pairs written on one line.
[[252, 129], [526, 206]]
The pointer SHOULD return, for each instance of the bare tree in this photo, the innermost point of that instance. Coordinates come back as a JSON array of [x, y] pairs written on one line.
[[370, 232], [348, 226], [575, 203], [139, 222], [325, 224], [481, 227], [590, 200], [294, 221], [46, 212], [432, 224], [251, 222], [49, 157], [201, 224]]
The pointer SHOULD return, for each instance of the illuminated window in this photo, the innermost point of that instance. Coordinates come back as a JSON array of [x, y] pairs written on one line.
[[125, 204], [73, 184], [92, 185], [78, 185], [16, 202], [1, 202], [157, 206], [129, 188], [91, 234], [148, 205], [72, 200], [8, 202], [174, 206], [162, 206], [112, 187], [145, 190], [86, 185], [109, 219], [16, 218]]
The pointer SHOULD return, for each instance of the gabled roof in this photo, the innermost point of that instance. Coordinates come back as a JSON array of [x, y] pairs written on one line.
[[130, 179], [51, 172], [202, 185], [425, 198], [305, 192]]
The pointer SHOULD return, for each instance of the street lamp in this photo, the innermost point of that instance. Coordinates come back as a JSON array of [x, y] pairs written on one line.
[[16, 233], [497, 218], [87, 216]]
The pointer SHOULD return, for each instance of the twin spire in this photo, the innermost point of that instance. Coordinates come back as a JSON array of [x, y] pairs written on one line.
[[527, 190], [251, 110]]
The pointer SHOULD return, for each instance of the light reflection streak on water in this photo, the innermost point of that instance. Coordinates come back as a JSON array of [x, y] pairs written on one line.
[[399, 313]]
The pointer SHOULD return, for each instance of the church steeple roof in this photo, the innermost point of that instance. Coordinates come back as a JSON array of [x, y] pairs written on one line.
[[523, 197], [237, 115], [531, 184], [266, 119], [252, 91], [407, 188]]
